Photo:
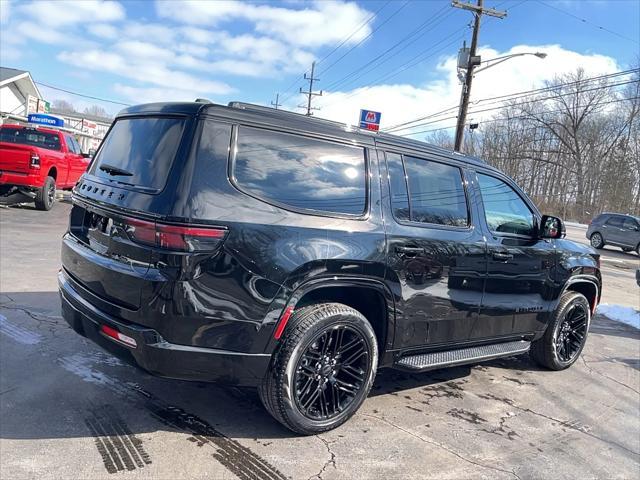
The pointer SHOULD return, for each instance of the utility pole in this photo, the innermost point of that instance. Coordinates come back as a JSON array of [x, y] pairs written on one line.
[[310, 93], [276, 105], [478, 11]]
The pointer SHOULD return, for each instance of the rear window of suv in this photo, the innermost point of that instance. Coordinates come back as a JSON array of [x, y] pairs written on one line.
[[300, 172], [139, 151], [34, 138]]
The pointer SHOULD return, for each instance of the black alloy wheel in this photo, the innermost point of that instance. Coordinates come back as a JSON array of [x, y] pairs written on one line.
[[572, 332], [330, 372], [566, 334], [46, 195], [322, 369]]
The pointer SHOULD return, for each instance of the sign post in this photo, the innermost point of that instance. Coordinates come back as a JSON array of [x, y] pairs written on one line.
[[370, 120]]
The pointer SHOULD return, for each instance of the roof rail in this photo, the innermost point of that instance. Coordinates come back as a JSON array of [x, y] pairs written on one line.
[[277, 112]]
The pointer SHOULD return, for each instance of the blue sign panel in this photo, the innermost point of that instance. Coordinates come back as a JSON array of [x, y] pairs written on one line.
[[370, 120], [42, 119]]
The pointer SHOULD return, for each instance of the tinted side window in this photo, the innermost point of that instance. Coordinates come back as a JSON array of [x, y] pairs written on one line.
[[614, 222], [629, 224], [436, 192], [77, 146], [505, 211], [70, 143], [398, 187], [301, 172]]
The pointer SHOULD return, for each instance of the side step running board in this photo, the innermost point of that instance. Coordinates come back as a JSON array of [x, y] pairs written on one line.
[[430, 361]]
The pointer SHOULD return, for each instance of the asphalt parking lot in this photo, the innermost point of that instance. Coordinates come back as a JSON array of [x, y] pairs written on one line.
[[67, 410]]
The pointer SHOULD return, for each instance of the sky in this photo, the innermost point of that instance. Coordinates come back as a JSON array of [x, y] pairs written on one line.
[[142, 51]]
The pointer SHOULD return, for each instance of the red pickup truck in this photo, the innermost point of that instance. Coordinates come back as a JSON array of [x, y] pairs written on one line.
[[34, 162]]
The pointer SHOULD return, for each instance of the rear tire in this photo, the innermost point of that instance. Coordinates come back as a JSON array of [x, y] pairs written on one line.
[[323, 369], [46, 195], [566, 334], [597, 241]]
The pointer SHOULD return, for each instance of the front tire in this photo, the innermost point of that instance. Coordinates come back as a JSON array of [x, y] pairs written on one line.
[[46, 195], [566, 334], [323, 369], [597, 241]]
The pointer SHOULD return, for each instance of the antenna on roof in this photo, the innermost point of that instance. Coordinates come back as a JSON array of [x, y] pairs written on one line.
[[203, 100]]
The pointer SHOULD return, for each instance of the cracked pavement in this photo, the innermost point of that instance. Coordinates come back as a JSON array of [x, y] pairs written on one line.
[[500, 419]]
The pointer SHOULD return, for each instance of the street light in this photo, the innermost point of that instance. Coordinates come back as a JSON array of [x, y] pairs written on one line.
[[495, 61], [467, 61]]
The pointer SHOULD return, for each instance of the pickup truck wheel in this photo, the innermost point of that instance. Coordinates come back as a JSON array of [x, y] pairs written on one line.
[[46, 195], [323, 369], [566, 334]]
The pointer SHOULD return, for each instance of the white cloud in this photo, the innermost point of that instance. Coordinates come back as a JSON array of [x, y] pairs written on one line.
[[62, 13], [151, 72], [150, 32], [103, 30], [149, 95], [402, 102], [324, 22]]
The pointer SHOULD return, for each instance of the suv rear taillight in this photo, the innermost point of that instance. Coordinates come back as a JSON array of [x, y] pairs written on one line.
[[34, 162], [175, 237]]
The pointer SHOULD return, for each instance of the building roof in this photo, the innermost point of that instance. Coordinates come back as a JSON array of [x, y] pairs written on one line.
[[10, 73], [21, 78]]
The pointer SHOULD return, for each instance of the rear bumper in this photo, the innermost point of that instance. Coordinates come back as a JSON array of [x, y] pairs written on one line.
[[32, 180], [156, 355]]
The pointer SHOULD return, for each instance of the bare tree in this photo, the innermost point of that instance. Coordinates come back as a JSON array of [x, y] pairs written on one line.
[[575, 148], [96, 111], [63, 106]]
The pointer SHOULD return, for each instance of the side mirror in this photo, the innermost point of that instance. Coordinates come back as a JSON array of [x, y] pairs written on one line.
[[551, 227]]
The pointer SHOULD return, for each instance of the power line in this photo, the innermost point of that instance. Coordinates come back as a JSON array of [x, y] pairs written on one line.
[[588, 22], [373, 15], [492, 120], [346, 39], [514, 96], [413, 33], [367, 37], [412, 62], [438, 120], [82, 94], [416, 59]]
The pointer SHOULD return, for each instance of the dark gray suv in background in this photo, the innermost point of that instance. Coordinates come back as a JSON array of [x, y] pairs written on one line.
[[615, 229]]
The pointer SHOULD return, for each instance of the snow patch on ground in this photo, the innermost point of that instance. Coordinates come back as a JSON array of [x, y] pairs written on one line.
[[620, 313], [19, 334]]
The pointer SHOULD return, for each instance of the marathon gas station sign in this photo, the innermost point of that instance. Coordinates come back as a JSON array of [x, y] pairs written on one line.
[[43, 119], [370, 120]]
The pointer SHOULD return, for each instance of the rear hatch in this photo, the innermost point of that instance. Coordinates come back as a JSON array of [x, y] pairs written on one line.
[[127, 190], [17, 147]]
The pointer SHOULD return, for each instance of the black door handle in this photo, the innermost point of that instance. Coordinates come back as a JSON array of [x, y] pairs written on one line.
[[409, 251], [502, 256]]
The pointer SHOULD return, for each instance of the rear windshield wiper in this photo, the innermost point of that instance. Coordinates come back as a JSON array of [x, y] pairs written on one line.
[[111, 170]]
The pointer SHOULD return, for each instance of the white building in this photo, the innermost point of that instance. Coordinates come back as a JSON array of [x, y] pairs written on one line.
[[16, 87], [19, 97]]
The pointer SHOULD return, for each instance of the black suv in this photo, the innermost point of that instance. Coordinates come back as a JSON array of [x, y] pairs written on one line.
[[256, 247]]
